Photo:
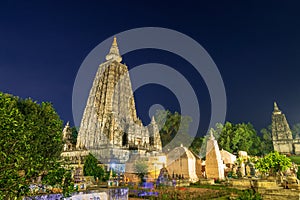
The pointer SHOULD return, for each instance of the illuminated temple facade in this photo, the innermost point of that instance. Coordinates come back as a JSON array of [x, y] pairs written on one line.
[[110, 128]]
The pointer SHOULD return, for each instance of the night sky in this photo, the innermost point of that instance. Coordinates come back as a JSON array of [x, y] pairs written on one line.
[[255, 45]]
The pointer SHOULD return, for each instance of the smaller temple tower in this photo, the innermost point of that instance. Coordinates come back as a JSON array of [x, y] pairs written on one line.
[[72, 156], [281, 132], [155, 140], [67, 136]]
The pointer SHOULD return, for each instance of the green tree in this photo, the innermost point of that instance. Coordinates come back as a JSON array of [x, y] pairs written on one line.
[[60, 177], [30, 143], [54, 176], [171, 125], [141, 168], [266, 140], [273, 163], [91, 168], [196, 145], [74, 135], [239, 137], [68, 183], [296, 130]]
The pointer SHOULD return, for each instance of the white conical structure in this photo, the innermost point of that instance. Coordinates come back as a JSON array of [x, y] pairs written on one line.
[[214, 167]]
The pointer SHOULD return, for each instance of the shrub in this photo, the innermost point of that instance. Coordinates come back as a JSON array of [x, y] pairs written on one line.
[[249, 195]]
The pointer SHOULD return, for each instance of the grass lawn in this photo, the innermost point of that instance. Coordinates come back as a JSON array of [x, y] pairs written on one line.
[[196, 191], [295, 159], [182, 193]]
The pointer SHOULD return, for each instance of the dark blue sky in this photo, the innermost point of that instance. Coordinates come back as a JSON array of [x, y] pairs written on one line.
[[255, 44]]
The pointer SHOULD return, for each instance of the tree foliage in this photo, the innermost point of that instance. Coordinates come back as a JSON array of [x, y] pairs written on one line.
[[266, 140], [296, 130], [196, 145], [236, 137], [74, 135], [61, 178], [171, 125], [30, 143], [54, 176], [91, 168], [239, 137], [273, 163]]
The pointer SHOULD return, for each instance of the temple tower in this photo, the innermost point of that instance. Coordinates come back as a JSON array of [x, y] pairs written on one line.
[[155, 140], [281, 132], [110, 124]]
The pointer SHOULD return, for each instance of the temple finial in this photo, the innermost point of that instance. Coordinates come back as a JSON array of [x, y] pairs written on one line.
[[275, 106], [276, 109], [153, 120], [115, 41], [114, 52]]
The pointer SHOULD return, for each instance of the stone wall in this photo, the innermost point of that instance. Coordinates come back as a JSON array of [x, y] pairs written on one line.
[[283, 146], [279, 194], [296, 146]]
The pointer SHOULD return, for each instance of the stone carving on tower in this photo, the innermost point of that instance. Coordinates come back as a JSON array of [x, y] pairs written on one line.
[[110, 126], [281, 132]]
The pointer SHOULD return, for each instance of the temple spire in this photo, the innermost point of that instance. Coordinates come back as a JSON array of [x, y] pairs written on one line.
[[276, 109], [153, 120], [275, 106], [114, 52]]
